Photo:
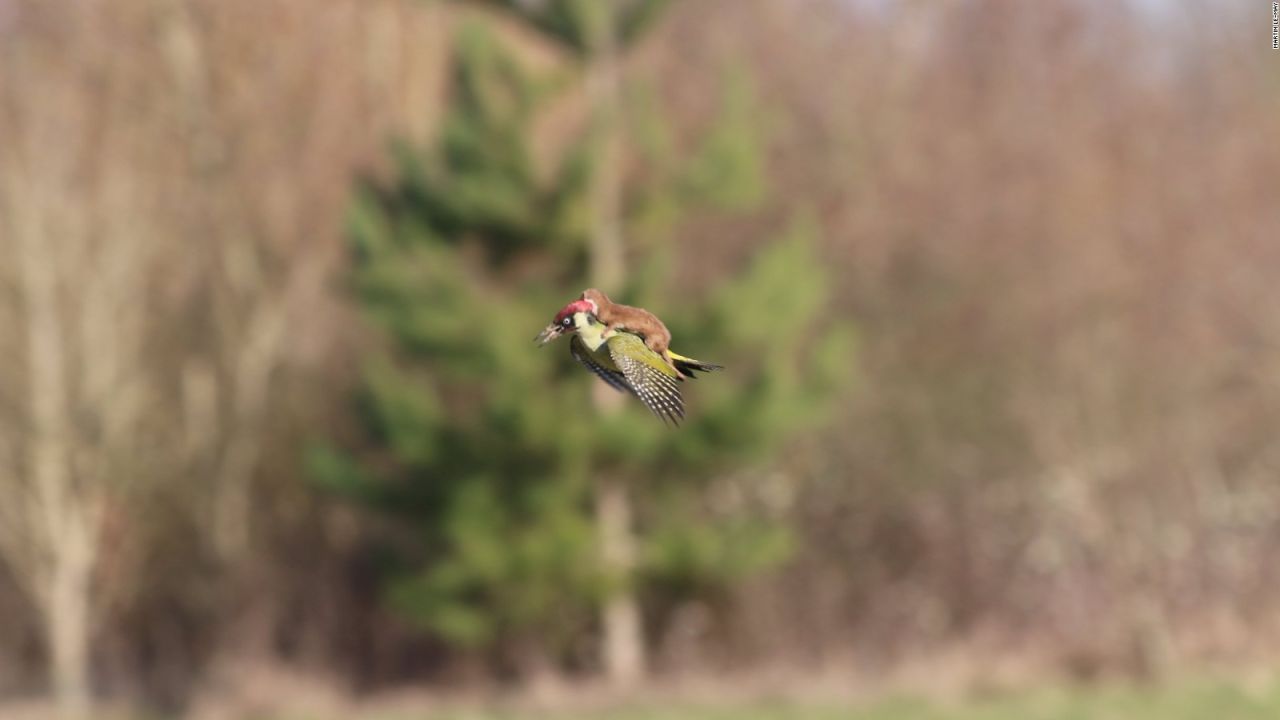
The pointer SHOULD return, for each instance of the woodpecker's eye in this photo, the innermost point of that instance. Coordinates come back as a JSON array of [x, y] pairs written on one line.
[[567, 322]]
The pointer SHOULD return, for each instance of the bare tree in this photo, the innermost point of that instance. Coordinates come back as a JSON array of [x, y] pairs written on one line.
[[73, 220]]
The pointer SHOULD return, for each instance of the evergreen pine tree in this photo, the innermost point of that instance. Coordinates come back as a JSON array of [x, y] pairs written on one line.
[[481, 447]]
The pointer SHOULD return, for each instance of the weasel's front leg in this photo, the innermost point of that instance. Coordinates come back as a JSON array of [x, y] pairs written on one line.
[[662, 349]]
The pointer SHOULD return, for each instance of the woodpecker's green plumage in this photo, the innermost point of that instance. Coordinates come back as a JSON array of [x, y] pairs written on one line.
[[624, 362]]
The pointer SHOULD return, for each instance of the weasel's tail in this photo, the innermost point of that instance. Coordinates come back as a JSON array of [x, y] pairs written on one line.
[[687, 365]]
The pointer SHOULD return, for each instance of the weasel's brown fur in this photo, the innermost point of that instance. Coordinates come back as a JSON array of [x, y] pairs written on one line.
[[634, 319]]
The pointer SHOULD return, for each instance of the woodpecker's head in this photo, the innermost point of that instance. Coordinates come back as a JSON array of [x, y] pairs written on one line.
[[564, 321]]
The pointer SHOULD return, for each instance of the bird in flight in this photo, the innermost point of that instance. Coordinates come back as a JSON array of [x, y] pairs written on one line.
[[624, 361]]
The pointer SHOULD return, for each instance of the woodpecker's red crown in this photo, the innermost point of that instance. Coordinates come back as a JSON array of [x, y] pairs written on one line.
[[565, 316]]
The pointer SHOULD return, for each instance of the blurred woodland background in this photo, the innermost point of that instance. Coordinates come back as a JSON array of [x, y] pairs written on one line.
[[995, 283]]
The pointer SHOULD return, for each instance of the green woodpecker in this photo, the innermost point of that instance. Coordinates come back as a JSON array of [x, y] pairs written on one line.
[[624, 362]]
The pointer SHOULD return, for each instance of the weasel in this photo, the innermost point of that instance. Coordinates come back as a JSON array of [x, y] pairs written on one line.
[[637, 320]]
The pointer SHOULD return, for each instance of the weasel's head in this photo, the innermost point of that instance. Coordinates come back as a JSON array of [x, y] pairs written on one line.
[[564, 321], [596, 298]]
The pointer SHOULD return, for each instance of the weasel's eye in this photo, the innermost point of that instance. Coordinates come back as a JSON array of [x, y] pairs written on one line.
[[567, 322]]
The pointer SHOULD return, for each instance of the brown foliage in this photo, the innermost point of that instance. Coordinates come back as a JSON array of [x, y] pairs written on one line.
[[1058, 234]]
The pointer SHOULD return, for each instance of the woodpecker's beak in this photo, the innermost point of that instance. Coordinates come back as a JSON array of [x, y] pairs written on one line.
[[549, 333]]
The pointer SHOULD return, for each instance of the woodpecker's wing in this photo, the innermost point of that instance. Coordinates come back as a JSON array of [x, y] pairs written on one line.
[[612, 376], [648, 375]]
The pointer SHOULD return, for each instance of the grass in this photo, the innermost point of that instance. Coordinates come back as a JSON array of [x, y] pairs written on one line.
[[1200, 700]]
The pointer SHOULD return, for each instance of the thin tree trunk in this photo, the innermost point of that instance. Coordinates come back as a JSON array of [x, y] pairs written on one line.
[[623, 642], [67, 622], [63, 531], [606, 190], [253, 362]]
